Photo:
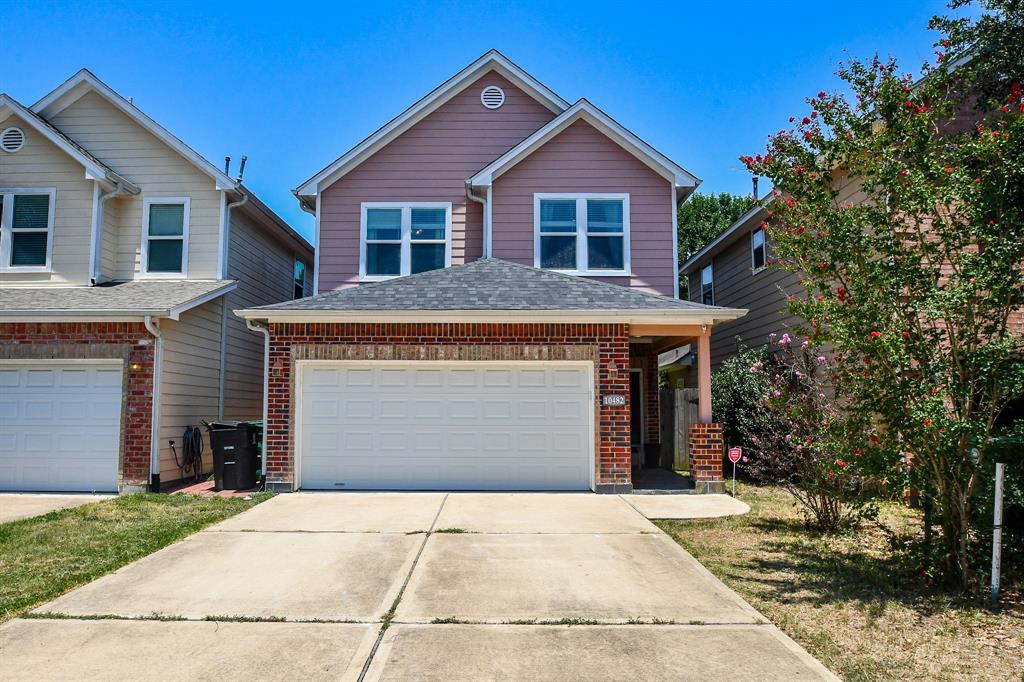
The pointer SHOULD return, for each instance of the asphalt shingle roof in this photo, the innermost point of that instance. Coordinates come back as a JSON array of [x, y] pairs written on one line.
[[488, 284], [137, 297]]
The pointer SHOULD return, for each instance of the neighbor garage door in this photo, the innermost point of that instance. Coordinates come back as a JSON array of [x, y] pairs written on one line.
[[60, 426], [440, 426]]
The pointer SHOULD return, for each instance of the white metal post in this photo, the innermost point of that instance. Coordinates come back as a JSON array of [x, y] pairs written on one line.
[[997, 530]]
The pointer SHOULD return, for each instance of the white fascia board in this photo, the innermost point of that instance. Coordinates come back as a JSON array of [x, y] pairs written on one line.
[[424, 107], [175, 312], [706, 315], [93, 171], [69, 91], [586, 111]]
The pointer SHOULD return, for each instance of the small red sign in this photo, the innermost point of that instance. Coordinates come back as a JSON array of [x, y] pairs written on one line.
[[735, 454]]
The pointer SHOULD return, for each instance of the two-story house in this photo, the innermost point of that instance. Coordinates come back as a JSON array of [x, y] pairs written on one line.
[[495, 277], [122, 253]]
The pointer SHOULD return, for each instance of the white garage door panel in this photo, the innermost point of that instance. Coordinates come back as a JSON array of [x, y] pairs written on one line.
[[60, 426], [524, 426]]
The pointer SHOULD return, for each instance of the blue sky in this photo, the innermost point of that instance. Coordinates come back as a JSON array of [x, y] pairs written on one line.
[[294, 86]]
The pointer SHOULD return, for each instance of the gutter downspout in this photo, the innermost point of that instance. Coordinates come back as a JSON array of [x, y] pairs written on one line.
[[227, 230], [97, 234], [153, 326], [266, 393], [487, 216]]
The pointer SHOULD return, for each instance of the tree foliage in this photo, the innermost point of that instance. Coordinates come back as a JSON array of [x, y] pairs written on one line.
[[912, 278], [702, 218]]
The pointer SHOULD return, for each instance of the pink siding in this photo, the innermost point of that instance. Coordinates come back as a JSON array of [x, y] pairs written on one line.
[[582, 159], [429, 162]]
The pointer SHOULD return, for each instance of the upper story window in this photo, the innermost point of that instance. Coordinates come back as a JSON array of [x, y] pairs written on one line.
[[404, 238], [299, 279], [757, 250], [26, 229], [165, 236], [707, 285], [583, 234]]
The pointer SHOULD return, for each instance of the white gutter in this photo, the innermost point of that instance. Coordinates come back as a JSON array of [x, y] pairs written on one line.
[[266, 390], [225, 244], [485, 201], [121, 190], [696, 315], [153, 326]]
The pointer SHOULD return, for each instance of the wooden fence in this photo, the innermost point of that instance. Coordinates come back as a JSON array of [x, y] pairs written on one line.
[[678, 411]]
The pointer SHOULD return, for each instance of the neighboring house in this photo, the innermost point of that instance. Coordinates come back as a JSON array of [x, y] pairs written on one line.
[[733, 271], [122, 253], [496, 275]]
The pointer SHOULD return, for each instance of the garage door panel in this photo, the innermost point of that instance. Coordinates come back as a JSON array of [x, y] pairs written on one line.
[[60, 426], [516, 426]]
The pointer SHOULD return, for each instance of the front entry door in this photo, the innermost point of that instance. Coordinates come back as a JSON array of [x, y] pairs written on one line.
[[636, 417]]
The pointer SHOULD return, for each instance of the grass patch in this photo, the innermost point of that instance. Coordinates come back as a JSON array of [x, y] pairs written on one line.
[[453, 531], [245, 619], [450, 620], [44, 556], [853, 600]]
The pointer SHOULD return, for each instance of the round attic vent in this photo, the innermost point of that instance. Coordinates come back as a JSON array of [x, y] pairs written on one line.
[[492, 97], [12, 139]]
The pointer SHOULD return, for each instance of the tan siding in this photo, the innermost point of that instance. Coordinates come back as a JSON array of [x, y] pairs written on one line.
[[41, 164], [108, 245], [158, 170], [263, 267], [190, 379]]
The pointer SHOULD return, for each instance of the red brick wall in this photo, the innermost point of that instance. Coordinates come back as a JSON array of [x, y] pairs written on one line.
[[706, 452], [607, 344], [127, 341]]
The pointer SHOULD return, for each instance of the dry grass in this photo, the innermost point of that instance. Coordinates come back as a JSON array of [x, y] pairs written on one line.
[[852, 600]]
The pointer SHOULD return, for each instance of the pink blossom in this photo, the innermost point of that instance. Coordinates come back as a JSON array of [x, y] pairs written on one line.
[[776, 393], [785, 340], [822, 360]]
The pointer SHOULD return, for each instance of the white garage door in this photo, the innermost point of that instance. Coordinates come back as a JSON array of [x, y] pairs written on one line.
[[60, 425], [445, 426]]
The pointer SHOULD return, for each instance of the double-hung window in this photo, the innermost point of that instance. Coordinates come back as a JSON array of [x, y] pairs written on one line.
[[165, 236], [299, 279], [404, 238], [26, 229], [707, 285], [584, 234], [757, 250]]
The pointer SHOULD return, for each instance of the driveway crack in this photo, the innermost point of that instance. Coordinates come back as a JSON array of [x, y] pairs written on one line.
[[401, 591]]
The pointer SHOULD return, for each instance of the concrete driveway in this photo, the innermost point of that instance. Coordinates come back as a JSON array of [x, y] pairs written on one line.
[[14, 506], [410, 586]]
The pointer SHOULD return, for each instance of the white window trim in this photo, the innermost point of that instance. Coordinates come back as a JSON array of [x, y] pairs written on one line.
[[405, 260], [144, 260], [754, 269], [710, 266], [6, 230], [581, 232]]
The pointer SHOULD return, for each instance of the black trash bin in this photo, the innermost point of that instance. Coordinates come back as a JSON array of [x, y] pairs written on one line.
[[236, 454]]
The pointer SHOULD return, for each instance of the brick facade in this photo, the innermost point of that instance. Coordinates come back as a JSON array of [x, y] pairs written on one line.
[[707, 450], [125, 341], [606, 345]]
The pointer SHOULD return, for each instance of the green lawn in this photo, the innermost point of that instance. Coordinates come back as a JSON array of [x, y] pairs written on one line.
[[45, 556], [852, 600]]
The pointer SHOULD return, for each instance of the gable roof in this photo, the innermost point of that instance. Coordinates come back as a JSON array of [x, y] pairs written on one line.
[[726, 237], [85, 81], [585, 111], [490, 288], [492, 60], [94, 168]]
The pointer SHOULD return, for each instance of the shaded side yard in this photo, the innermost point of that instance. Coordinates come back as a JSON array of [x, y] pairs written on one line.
[[45, 556], [852, 600]]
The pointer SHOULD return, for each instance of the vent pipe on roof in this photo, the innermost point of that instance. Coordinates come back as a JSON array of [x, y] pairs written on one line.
[[241, 169], [227, 165], [755, 179]]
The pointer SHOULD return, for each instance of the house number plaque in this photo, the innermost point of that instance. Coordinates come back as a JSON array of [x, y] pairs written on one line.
[[616, 400]]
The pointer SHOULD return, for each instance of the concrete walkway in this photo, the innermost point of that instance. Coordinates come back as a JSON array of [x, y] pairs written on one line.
[[14, 506], [416, 586]]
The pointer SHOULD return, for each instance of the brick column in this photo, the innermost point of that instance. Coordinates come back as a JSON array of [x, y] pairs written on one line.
[[706, 453]]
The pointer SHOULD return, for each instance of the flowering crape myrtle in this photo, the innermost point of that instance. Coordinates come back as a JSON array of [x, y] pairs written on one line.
[[900, 208]]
